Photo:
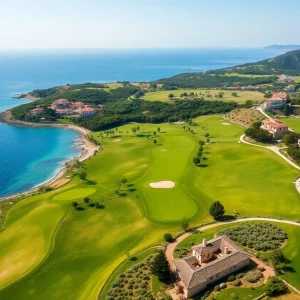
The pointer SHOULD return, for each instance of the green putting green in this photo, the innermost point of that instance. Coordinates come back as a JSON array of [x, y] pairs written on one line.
[[74, 194]]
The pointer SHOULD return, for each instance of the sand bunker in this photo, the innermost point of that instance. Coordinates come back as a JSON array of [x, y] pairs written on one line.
[[226, 124], [162, 184]]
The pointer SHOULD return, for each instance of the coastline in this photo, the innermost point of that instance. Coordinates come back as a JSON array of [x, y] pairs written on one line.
[[87, 149]]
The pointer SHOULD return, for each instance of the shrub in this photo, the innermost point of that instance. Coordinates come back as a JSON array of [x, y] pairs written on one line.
[[217, 288], [253, 276], [168, 237], [231, 278], [236, 282], [240, 275], [276, 286]]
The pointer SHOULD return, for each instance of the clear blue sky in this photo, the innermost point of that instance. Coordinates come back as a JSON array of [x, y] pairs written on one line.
[[148, 24]]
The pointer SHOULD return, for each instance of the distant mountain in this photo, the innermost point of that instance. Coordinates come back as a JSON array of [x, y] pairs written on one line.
[[287, 63], [283, 47]]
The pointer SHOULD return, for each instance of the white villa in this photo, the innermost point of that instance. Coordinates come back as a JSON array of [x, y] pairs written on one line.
[[277, 101], [209, 262]]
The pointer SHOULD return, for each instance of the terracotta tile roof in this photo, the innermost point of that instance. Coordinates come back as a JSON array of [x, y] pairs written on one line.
[[274, 123], [280, 95], [192, 276], [88, 109]]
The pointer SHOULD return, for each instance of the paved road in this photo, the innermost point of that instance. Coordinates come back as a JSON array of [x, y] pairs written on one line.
[[259, 108]]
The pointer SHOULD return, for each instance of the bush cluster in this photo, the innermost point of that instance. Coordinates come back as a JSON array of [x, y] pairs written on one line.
[[253, 276], [134, 284], [259, 236]]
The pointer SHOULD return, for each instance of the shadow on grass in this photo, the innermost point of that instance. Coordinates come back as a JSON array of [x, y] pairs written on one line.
[[79, 208], [226, 218], [204, 158], [203, 166], [91, 182], [289, 269], [132, 190], [131, 184], [92, 205]]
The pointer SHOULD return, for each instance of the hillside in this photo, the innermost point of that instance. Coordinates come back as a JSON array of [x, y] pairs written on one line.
[[288, 63]]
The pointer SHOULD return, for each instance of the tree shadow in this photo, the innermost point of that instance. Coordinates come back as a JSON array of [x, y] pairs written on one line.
[[92, 205], [288, 269], [91, 182], [133, 258], [204, 158], [101, 206], [123, 194], [131, 184], [132, 190], [206, 152], [226, 218], [79, 208], [203, 166]]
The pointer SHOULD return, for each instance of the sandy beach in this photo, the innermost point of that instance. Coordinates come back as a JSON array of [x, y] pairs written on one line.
[[87, 148]]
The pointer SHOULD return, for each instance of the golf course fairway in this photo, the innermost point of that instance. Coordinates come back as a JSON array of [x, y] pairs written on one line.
[[69, 253]]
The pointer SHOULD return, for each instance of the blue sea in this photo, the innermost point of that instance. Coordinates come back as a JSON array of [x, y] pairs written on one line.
[[29, 156]]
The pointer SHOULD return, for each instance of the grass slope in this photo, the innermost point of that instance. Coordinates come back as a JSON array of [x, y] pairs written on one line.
[[243, 96], [90, 244]]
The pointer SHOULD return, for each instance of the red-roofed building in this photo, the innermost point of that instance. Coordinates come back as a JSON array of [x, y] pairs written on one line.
[[37, 111], [275, 127], [277, 101], [61, 104], [78, 104], [87, 112]]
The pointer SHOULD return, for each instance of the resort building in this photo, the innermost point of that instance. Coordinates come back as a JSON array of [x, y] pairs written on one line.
[[37, 111], [87, 112], [284, 79], [209, 262], [61, 104], [78, 104], [275, 127], [290, 88], [277, 101]]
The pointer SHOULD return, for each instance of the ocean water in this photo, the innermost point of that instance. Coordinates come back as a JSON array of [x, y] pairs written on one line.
[[29, 156]]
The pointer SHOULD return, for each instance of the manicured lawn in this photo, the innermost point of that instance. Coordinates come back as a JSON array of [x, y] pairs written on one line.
[[74, 194], [243, 96], [293, 123], [89, 244], [238, 293]]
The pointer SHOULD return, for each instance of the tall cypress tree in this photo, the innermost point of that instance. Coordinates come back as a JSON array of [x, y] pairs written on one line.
[[160, 267]]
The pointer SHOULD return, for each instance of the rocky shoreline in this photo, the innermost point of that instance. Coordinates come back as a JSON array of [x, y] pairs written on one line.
[[87, 149]]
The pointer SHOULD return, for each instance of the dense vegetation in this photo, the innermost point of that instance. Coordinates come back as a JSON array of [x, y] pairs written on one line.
[[258, 134], [43, 93], [203, 80], [260, 236], [115, 114], [92, 96], [288, 63]]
